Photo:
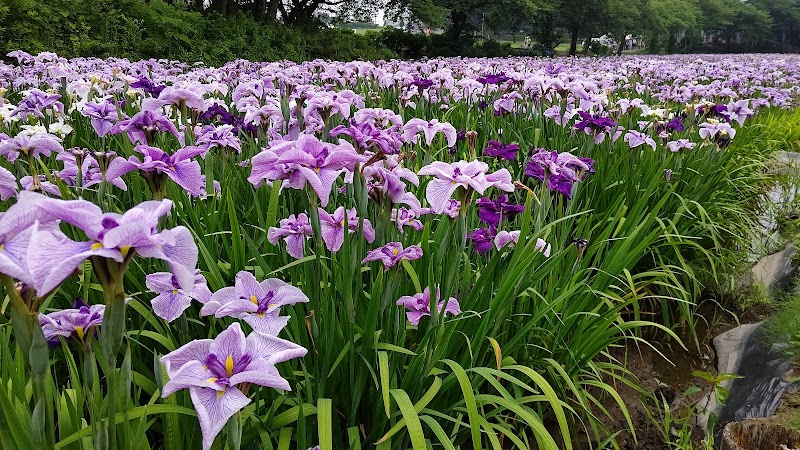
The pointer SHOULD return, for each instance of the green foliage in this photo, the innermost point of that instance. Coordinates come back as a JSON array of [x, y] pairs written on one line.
[[136, 30]]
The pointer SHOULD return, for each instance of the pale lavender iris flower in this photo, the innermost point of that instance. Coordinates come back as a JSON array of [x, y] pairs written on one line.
[[171, 300], [258, 304], [392, 253], [469, 175], [418, 305], [80, 321], [213, 370]]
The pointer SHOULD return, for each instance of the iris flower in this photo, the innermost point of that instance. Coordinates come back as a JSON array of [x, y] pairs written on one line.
[[469, 175], [333, 226], [40, 144], [171, 300], [215, 372], [258, 304], [80, 321], [179, 167], [429, 129], [306, 160], [392, 253], [418, 305], [294, 231]]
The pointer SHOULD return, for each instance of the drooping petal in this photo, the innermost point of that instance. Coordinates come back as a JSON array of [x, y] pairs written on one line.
[[214, 410], [439, 192], [169, 306]]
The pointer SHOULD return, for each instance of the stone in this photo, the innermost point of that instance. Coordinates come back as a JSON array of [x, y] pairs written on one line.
[[775, 271]]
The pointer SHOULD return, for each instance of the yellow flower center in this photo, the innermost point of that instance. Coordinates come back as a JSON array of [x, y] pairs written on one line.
[[124, 250], [80, 331], [316, 169], [254, 299], [212, 380], [342, 222], [96, 246], [229, 365], [24, 150], [1, 247], [394, 252], [174, 291]]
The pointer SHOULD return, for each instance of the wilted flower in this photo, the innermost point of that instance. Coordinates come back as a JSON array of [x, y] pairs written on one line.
[[294, 231], [418, 305]]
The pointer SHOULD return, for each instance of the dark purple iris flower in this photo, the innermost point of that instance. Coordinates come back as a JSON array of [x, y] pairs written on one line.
[[492, 78], [422, 83], [217, 114], [242, 127], [594, 123], [482, 239], [148, 86], [494, 211], [482, 105], [497, 149]]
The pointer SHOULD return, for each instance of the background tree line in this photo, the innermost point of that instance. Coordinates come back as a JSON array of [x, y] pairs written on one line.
[[215, 31]]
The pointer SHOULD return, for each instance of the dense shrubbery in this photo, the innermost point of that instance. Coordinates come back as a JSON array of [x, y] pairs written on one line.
[[135, 30]]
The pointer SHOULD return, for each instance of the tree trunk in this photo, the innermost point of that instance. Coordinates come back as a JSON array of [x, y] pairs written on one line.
[[272, 12], [621, 45], [219, 6], [587, 43], [573, 43], [259, 10], [458, 22]]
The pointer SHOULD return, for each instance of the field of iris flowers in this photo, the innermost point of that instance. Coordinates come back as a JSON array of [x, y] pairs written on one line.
[[390, 255]]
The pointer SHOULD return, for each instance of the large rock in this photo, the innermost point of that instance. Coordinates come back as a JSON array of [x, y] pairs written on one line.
[[775, 271]]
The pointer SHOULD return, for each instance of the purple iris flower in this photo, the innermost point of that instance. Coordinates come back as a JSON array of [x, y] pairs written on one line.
[[90, 170], [419, 305], [80, 321], [148, 86], [8, 184], [145, 125], [559, 170], [53, 257], [497, 149], [469, 175], [495, 211], [680, 144], [40, 144], [493, 78], [429, 129], [422, 83], [675, 124], [635, 139], [714, 129], [333, 226], [36, 103], [294, 231], [392, 253], [406, 218], [482, 239], [366, 136], [16, 227], [39, 184], [216, 114], [182, 97], [103, 116], [595, 125], [258, 304], [179, 167], [219, 136], [213, 370], [306, 160], [171, 300], [385, 181]]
